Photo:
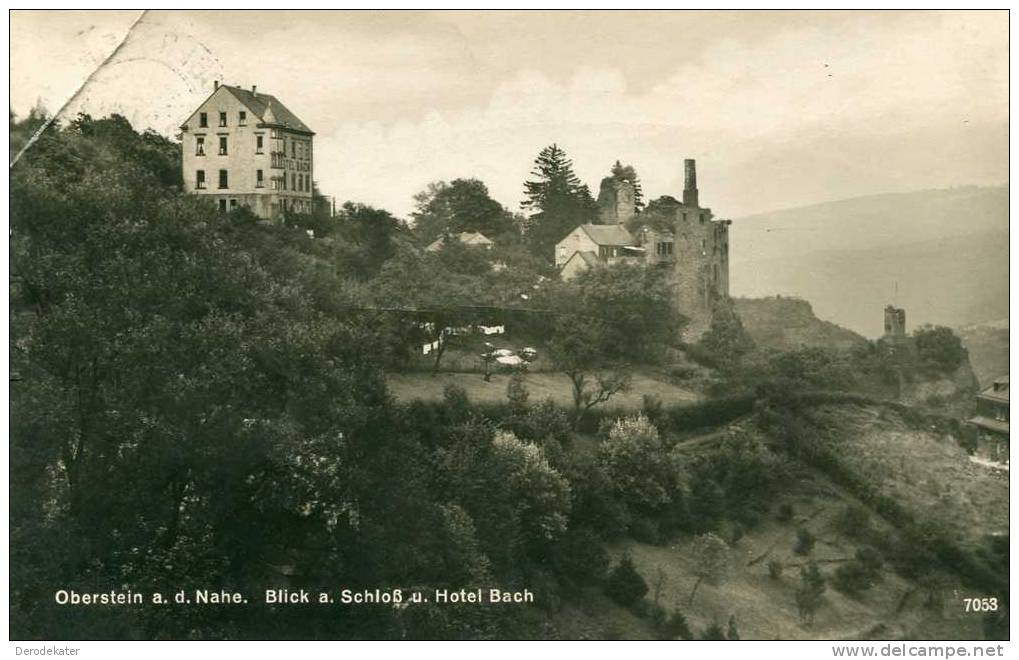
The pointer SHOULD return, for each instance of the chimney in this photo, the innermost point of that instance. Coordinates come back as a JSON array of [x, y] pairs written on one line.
[[690, 182], [254, 89], [215, 84]]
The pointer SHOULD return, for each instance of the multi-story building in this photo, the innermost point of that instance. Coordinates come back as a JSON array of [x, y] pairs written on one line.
[[991, 421], [245, 148]]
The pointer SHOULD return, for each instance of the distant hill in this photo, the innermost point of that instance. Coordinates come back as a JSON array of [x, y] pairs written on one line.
[[988, 349], [940, 254], [789, 323]]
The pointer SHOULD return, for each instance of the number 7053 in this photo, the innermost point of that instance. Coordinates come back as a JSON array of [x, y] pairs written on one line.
[[981, 604]]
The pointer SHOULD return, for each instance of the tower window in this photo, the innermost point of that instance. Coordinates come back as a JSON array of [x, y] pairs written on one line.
[[223, 179], [203, 119], [222, 119], [222, 145]]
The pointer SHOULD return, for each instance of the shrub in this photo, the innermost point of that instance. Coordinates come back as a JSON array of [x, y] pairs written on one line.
[[676, 627], [713, 633], [852, 578], [804, 542], [516, 392], [775, 568], [733, 634], [854, 521], [786, 512], [809, 594], [624, 584], [645, 530]]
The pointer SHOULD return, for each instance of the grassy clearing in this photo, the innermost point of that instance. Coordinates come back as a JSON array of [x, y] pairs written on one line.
[[556, 386], [926, 472], [765, 608]]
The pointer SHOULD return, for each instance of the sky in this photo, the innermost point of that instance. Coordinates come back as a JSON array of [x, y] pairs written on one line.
[[780, 108]]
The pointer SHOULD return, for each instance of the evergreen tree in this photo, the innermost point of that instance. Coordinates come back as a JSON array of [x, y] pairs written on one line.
[[557, 200]]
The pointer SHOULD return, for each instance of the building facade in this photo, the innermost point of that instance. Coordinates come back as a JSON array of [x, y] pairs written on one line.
[[244, 148], [991, 421], [682, 236]]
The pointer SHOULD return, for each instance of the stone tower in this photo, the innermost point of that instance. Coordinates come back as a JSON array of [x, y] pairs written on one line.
[[616, 202], [895, 322], [700, 269]]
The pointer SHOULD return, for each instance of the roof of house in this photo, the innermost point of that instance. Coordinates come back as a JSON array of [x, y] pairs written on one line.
[[586, 256], [998, 391], [990, 424], [465, 237], [268, 109], [609, 234]]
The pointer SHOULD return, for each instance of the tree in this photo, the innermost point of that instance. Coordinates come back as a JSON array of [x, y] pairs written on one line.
[[713, 633], [371, 233], [938, 348], [809, 594], [574, 350], [642, 473], [733, 634], [711, 559], [517, 393], [676, 627], [462, 205], [622, 173], [624, 584], [804, 541], [726, 342], [557, 200]]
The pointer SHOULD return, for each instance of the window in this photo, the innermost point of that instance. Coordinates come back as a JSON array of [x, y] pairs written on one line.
[[203, 119], [259, 180], [199, 145], [222, 119], [663, 248], [258, 144], [242, 118], [222, 145], [222, 205], [702, 218], [284, 179], [200, 179], [293, 181], [233, 204], [293, 149], [223, 179]]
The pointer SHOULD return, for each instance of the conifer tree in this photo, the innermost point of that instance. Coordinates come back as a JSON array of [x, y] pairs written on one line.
[[557, 200]]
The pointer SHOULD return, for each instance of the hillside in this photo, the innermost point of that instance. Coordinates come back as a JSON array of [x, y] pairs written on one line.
[[788, 323], [940, 254], [987, 344], [922, 468]]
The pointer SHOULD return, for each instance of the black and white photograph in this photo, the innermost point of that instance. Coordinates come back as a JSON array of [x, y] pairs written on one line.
[[540, 324]]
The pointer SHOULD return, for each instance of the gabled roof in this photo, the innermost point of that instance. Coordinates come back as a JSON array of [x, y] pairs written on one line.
[[269, 109], [609, 234], [465, 237], [998, 391], [586, 256], [266, 107]]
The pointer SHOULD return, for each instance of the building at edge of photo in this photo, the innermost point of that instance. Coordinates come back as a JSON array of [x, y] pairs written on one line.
[[682, 236], [243, 147], [991, 422]]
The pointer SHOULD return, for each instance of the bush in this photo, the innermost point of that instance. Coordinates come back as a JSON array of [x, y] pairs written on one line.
[[580, 556], [645, 530], [804, 542], [775, 568], [852, 578], [624, 584], [676, 627], [713, 633], [786, 512], [854, 521]]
